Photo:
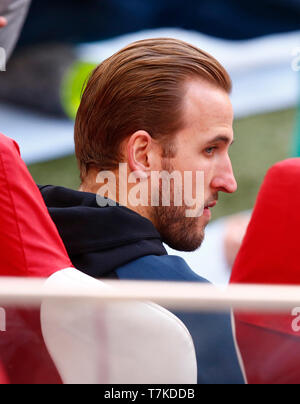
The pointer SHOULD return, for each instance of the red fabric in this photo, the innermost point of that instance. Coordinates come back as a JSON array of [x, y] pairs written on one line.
[[23, 352], [3, 376], [29, 246], [270, 357], [29, 242], [270, 255]]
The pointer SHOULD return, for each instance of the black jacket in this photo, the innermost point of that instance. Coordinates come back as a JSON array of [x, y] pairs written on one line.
[[100, 240]]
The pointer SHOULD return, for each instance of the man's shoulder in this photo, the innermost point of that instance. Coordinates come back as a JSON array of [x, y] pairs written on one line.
[[159, 268]]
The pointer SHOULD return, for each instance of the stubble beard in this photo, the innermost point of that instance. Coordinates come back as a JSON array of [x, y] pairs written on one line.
[[179, 232]]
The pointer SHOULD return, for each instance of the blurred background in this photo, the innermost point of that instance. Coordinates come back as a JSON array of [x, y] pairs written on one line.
[[257, 41]]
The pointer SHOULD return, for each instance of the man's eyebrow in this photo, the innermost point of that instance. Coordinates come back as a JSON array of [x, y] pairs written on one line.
[[222, 138]]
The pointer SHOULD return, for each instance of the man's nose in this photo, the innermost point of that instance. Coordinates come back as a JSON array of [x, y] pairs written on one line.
[[224, 180]]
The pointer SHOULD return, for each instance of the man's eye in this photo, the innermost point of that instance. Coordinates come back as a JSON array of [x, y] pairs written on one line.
[[210, 150]]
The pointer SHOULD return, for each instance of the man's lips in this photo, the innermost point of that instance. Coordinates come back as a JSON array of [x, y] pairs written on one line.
[[207, 208], [211, 205]]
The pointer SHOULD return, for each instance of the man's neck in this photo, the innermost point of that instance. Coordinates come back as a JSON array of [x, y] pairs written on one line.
[[92, 186]]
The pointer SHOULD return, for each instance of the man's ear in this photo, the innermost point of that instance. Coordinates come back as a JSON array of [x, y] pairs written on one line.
[[143, 153]]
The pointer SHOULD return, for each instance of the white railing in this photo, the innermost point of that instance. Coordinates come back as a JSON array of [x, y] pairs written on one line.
[[172, 295]]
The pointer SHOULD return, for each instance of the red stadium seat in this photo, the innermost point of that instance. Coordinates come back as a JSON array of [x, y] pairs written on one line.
[[30, 246], [3, 377], [29, 242], [269, 345]]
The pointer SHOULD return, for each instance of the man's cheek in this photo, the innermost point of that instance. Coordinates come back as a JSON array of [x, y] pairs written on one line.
[[194, 193]]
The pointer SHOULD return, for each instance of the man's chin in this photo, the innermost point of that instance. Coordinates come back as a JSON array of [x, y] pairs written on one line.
[[187, 244], [177, 231]]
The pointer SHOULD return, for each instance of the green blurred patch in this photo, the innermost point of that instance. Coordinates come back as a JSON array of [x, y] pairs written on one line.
[[61, 172], [260, 142]]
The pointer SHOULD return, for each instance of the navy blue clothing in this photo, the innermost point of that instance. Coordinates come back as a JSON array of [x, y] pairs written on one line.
[[94, 20], [115, 242]]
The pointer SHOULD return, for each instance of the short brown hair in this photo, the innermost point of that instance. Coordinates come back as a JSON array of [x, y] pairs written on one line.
[[139, 88]]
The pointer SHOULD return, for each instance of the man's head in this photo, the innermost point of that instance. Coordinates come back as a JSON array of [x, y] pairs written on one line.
[[157, 105]]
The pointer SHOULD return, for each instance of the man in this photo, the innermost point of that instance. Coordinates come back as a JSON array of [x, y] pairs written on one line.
[[157, 107], [12, 15]]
